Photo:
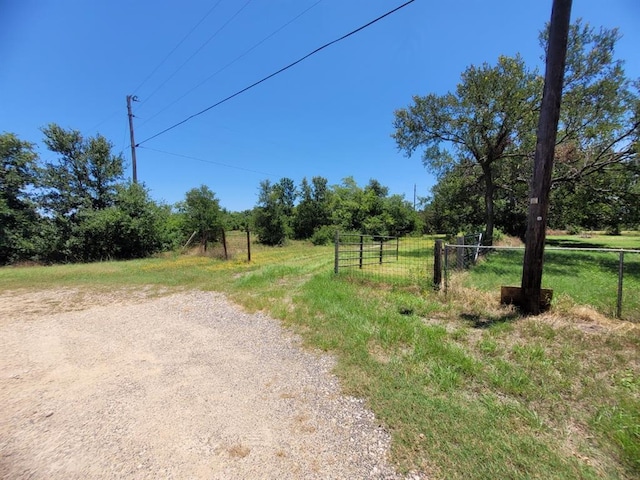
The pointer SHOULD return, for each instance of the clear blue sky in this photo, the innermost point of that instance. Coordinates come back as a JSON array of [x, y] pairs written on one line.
[[73, 62]]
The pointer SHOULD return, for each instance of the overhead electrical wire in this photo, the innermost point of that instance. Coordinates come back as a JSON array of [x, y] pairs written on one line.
[[135, 90], [197, 51], [209, 161], [246, 52], [239, 92]]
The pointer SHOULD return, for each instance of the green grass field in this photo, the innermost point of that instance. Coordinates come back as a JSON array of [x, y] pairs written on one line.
[[586, 278], [466, 388]]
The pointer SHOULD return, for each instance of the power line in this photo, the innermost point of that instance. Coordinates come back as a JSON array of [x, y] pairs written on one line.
[[109, 117], [239, 92], [177, 46], [209, 161], [197, 51], [231, 62]]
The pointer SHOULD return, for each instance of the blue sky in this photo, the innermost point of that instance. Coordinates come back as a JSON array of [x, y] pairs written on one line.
[[73, 62]]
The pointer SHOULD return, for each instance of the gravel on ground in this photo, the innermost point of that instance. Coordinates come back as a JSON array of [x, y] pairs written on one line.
[[135, 385]]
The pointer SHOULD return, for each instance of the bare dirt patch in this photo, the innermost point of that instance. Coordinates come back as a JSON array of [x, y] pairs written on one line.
[[126, 384]]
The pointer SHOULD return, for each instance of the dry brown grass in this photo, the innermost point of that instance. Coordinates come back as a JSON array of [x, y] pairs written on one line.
[[509, 241]]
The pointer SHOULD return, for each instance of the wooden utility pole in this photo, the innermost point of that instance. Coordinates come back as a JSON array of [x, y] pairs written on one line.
[[131, 98], [414, 197], [545, 147]]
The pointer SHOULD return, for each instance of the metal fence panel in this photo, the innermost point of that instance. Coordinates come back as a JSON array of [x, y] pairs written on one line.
[[395, 259]]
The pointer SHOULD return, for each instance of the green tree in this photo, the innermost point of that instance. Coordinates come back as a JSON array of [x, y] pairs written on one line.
[[133, 227], [313, 210], [84, 175], [596, 170], [487, 120], [202, 214], [273, 216], [237, 220], [403, 218], [82, 179], [484, 134], [19, 221], [370, 210], [348, 211], [143, 227]]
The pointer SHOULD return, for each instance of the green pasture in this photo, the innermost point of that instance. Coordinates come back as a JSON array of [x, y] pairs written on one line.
[[586, 278]]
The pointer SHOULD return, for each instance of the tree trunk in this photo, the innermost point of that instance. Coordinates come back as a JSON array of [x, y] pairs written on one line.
[[489, 191]]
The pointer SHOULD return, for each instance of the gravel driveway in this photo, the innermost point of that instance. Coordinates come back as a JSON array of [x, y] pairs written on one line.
[[128, 385]]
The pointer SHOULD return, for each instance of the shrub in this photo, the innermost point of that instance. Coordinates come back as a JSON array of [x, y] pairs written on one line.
[[323, 235], [573, 230]]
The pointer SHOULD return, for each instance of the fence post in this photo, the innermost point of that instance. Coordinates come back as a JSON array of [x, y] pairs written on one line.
[[336, 265], [460, 253], [224, 245], [381, 246], [397, 248], [620, 276], [446, 269], [361, 247], [248, 246], [437, 265]]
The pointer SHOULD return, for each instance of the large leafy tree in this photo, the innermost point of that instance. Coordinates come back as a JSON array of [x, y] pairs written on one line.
[[596, 171], [469, 138], [313, 210], [81, 180], [599, 115], [273, 216], [84, 175], [18, 217], [202, 214], [487, 120]]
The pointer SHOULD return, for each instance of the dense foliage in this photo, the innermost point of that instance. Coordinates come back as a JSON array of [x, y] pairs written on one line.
[[77, 206], [323, 209], [480, 141]]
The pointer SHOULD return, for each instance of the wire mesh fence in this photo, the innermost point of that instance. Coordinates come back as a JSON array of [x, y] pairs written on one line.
[[407, 260], [232, 245], [606, 279]]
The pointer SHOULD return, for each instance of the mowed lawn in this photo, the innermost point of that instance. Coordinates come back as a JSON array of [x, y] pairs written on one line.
[[468, 389]]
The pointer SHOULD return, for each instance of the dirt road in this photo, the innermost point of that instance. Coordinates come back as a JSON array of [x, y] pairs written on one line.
[[124, 385]]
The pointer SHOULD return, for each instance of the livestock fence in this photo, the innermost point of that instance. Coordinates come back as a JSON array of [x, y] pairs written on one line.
[[384, 258], [608, 280], [605, 279], [228, 245]]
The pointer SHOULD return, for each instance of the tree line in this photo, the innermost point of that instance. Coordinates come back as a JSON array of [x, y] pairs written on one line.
[[78, 207], [480, 139], [316, 210]]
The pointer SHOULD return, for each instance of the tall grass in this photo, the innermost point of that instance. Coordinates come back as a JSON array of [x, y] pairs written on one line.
[[467, 389]]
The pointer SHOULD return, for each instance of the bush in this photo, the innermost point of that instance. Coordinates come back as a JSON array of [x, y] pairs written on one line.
[[323, 235], [573, 230]]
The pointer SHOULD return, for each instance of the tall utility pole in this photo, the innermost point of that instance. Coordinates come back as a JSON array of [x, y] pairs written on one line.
[[131, 98], [545, 147]]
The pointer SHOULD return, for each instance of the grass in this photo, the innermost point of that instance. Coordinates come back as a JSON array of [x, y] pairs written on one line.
[[577, 278], [467, 389]]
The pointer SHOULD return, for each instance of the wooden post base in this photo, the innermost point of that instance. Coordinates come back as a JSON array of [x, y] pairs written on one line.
[[515, 296]]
